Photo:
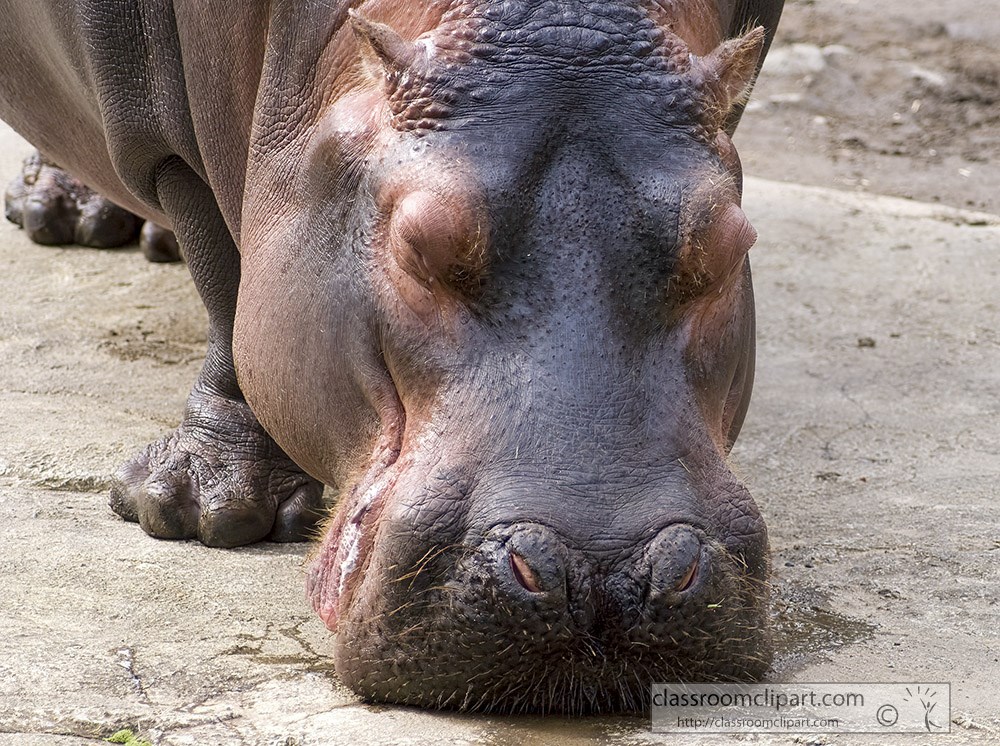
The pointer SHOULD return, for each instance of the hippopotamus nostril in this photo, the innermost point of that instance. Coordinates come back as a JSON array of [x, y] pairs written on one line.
[[689, 577], [530, 562], [523, 573], [676, 561]]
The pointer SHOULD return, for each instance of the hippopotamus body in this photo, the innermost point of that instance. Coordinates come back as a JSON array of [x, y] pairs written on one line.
[[479, 265]]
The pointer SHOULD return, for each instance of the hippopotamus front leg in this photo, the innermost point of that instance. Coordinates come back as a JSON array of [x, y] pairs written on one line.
[[219, 476], [55, 208]]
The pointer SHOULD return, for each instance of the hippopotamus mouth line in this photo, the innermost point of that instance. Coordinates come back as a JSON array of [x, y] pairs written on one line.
[[346, 548], [350, 538], [354, 540], [353, 535]]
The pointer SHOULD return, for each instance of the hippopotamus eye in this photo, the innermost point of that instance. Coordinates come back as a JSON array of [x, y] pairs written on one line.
[[714, 252], [733, 233], [433, 237]]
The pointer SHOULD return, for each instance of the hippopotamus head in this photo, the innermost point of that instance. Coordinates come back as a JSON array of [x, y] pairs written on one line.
[[503, 303]]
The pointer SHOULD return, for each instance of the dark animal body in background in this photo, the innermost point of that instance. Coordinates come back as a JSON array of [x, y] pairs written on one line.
[[479, 265]]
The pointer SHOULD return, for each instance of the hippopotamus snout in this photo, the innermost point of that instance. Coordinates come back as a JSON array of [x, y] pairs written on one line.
[[535, 570], [555, 615]]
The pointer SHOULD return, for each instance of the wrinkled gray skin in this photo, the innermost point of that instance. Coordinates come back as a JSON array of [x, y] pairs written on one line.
[[492, 285]]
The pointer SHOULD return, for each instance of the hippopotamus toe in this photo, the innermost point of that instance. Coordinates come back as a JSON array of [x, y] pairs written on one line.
[[102, 224], [158, 244], [223, 483], [297, 517], [47, 219], [163, 506]]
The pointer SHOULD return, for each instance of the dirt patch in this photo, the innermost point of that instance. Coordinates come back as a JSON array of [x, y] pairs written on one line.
[[890, 97], [179, 344]]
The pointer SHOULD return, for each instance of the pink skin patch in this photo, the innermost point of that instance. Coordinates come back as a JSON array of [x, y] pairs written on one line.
[[345, 548], [348, 541]]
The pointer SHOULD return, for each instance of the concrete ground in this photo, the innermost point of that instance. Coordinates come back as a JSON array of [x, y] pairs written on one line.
[[872, 446]]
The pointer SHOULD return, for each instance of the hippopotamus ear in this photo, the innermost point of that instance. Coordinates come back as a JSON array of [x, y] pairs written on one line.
[[726, 75], [384, 51]]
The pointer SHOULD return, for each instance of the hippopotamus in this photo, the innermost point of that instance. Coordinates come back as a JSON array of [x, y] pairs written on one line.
[[481, 267]]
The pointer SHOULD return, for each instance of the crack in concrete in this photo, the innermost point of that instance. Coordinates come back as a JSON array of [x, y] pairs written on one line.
[[126, 659], [294, 633]]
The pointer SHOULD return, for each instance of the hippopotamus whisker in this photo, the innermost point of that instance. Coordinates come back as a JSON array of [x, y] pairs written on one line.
[[431, 554]]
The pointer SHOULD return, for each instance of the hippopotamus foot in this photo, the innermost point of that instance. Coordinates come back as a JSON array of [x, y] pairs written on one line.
[[54, 208], [219, 478], [158, 244]]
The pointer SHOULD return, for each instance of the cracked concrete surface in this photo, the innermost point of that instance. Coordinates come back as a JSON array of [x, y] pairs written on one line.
[[872, 445]]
